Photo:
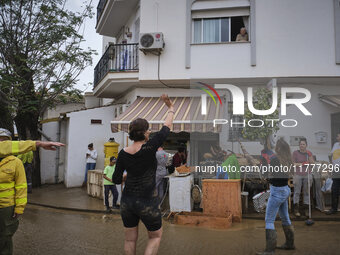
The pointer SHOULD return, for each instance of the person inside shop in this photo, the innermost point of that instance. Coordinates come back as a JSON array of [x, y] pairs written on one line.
[[217, 152], [335, 176], [162, 159], [110, 186], [91, 159], [139, 199], [180, 158], [301, 159], [278, 200], [242, 36]]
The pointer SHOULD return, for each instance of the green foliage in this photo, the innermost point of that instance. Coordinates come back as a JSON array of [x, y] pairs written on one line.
[[40, 54], [262, 101]]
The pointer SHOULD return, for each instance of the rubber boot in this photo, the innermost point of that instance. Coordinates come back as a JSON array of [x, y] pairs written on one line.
[[270, 242], [305, 210], [297, 210], [289, 234]]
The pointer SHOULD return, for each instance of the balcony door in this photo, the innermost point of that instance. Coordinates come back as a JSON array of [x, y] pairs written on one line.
[[137, 24], [335, 122]]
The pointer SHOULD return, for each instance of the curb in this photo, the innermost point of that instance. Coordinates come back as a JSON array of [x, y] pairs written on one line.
[[114, 211]]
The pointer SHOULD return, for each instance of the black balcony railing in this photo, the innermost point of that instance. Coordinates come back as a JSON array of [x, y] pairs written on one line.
[[117, 58], [100, 8]]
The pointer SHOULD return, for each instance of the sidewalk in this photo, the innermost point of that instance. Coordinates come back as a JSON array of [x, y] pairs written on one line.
[[76, 199], [59, 197]]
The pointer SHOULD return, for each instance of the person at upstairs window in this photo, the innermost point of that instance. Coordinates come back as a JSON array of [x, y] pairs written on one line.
[[139, 199], [242, 36], [335, 176], [110, 186], [91, 159], [301, 159]]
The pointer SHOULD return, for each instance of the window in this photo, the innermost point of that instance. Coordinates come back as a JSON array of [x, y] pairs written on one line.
[[214, 30], [94, 121]]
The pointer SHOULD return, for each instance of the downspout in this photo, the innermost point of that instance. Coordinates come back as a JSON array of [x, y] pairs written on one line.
[[57, 157]]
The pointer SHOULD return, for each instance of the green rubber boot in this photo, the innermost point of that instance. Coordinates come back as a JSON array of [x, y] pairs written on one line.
[[289, 234], [270, 242]]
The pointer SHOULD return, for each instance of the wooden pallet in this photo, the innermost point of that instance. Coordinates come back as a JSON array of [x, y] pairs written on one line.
[[203, 220]]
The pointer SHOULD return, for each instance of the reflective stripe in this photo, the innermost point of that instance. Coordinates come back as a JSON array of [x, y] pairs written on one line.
[[20, 186], [7, 185], [7, 193], [15, 147], [21, 201]]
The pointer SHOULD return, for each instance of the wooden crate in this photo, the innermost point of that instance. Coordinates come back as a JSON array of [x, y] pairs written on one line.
[[221, 197], [203, 220], [95, 183]]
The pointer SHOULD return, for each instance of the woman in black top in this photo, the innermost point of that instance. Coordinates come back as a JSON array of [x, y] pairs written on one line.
[[280, 166], [139, 199]]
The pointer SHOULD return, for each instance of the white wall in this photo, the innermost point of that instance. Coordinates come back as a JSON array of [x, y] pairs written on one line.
[[48, 158], [61, 108], [293, 38], [167, 17], [80, 134]]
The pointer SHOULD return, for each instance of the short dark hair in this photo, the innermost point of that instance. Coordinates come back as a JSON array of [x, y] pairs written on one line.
[[90, 145], [137, 129], [113, 158], [303, 140], [181, 149]]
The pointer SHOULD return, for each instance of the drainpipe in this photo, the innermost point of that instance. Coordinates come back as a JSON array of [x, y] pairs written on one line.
[[57, 157]]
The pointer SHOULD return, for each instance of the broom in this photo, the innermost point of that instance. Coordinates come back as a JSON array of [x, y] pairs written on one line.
[[309, 221]]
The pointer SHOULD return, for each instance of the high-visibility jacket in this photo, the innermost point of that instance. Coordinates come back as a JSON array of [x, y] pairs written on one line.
[[16, 147], [13, 186], [26, 157]]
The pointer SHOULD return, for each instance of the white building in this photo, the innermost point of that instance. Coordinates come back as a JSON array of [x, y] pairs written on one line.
[[295, 42], [77, 125]]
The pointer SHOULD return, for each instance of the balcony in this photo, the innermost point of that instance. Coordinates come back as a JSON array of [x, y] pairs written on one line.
[[100, 8], [113, 15], [118, 64]]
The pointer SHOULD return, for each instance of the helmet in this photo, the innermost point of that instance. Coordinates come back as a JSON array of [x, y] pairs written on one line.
[[6, 133]]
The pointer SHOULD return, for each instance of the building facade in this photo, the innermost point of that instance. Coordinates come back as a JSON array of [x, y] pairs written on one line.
[[295, 42]]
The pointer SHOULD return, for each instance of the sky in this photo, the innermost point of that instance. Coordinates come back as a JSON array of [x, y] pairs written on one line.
[[93, 40]]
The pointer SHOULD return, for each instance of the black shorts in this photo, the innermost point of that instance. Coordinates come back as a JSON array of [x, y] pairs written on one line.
[[133, 209]]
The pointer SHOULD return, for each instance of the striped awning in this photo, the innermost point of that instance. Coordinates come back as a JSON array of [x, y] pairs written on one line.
[[333, 100], [188, 117]]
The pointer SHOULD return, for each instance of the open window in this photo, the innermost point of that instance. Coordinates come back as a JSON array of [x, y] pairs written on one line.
[[215, 30]]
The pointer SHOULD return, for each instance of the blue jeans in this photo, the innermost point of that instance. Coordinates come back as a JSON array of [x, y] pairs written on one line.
[[278, 203], [89, 166], [114, 191]]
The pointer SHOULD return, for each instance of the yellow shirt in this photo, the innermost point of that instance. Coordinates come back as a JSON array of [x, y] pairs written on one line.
[[13, 186], [16, 147]]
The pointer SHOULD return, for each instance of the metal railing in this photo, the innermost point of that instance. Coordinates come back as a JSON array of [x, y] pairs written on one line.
[[117, 58], [100, 8]]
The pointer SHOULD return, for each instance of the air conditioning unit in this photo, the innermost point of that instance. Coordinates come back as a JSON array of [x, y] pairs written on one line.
[[151, 42]]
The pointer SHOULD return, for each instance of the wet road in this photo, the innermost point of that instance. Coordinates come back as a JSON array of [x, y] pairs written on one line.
[[48, 231]]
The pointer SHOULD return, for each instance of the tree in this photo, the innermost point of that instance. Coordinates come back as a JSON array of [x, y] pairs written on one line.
[[41, 59], [262, 101]]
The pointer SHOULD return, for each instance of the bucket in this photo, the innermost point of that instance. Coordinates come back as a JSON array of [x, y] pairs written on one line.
[[244, 197]]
